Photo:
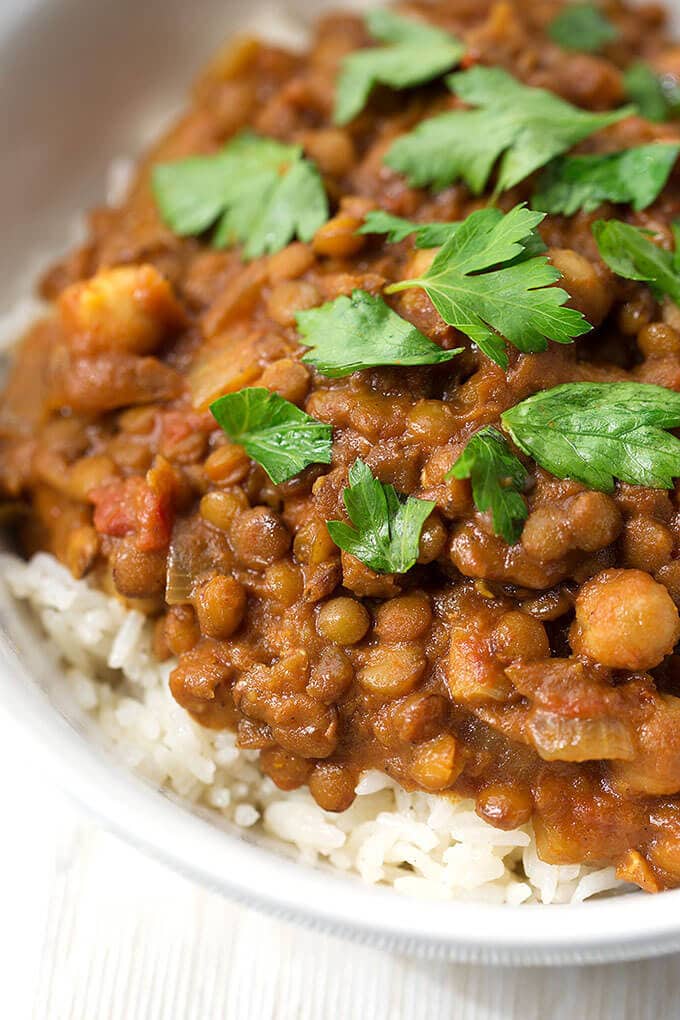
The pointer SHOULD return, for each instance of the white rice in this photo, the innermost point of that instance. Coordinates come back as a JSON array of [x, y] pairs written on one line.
[[421, 845]]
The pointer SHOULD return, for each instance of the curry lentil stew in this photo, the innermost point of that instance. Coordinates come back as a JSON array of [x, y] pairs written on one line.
[[419, 282]]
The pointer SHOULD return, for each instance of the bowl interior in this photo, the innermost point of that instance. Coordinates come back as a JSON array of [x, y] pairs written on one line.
[[60, 66]]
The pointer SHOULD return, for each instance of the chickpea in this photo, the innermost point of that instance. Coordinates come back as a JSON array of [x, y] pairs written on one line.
[[519, 636], [434, 765], [431, 421], [220, 604], [288, 298], [127, 308], [259, 537], [391, 672], [181, 629], [344, 621], [332, 786], [405, 618], [625, 620], [669, 577], [287, 377], [580, 278], [647, 543]]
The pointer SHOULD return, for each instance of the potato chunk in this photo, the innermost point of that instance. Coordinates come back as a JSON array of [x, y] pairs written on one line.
[[128, 308]]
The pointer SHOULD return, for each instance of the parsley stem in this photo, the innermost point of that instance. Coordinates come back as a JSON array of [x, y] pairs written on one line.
[[402, 285]]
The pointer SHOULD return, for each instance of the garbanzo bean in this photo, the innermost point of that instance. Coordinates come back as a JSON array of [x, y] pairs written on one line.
[[343, 621], [181, 629], [287, 377], [220, 508], [220, 604], [625, 620], [432, 539], [658, 339], [647, 543]]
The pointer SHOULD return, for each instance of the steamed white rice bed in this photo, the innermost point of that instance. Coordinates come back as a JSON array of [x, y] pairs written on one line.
[[421, 845]]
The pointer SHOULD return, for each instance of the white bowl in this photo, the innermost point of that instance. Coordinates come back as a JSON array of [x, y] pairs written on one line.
[[81, 84]]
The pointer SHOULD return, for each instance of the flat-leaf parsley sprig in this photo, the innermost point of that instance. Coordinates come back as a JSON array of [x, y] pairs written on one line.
[[522, 127], [498, 478], [485, 284], [415, 52], [630, 253], [260, 192], [582, 27], [362, 331], [275, 433], [598, 432], [636, 176], [386, 525]]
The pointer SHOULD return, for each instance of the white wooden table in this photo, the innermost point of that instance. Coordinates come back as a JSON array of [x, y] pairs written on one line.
[[90, 929]]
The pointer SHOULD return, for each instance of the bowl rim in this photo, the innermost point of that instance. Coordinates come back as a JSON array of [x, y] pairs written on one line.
[[146, 817]]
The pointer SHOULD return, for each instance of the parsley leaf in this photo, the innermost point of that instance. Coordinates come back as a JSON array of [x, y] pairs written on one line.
[[498, 477], [275, 433], [657, 97], [582, 27], [427, 235], [526, 126], [515, 301], [416, 53], [636, 176], [387, 526], [361, 331], [263, 194], [630, 253], [596, 432]]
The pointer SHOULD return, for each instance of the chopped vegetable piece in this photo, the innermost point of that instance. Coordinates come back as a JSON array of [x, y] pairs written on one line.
[[417, 52], [596, 432], [387, 526], [515, 300], [525, 126], [361, 331], [498, 477], [263, 194], [275, 433]]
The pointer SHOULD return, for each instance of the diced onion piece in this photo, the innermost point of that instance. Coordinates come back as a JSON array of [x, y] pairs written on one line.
[[222, 371], [557, 738]]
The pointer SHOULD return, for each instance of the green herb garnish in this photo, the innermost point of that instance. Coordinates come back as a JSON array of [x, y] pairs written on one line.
[[427, 235], [630, 253], [484, 282], [352, 333], [260, 193], [582, 27], [275, 433], [525, 126], [636, 176], [657, 96], [387, 525], [498, 477], [416, 53], [596, 432]]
